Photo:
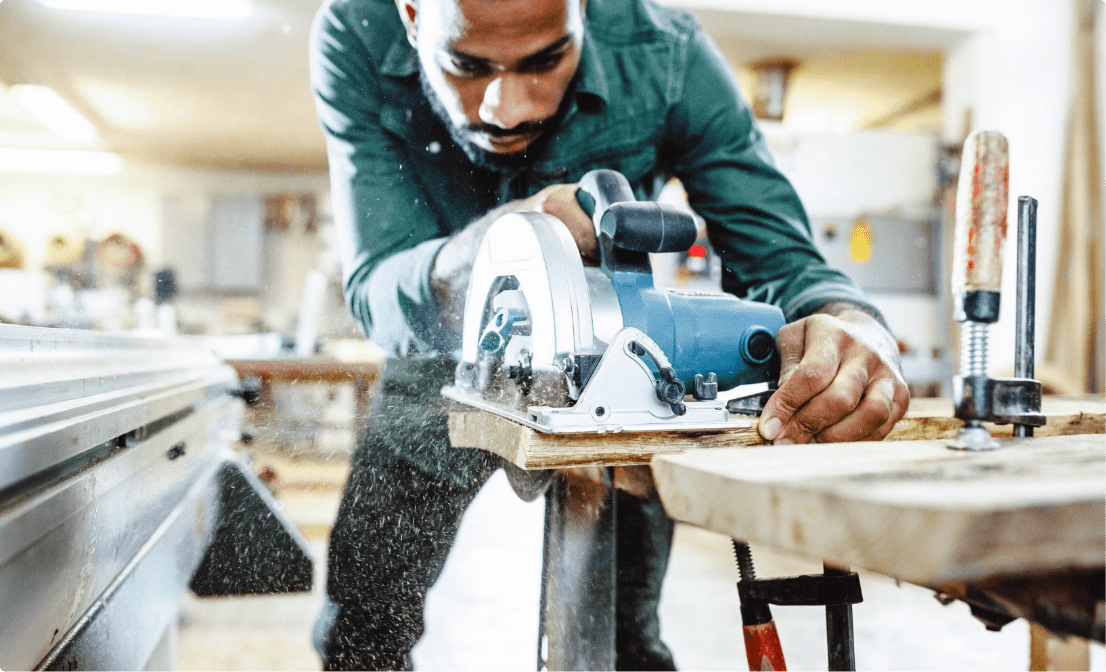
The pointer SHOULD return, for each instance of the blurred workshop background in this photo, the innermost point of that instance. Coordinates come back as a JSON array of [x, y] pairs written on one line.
[[162, 170]]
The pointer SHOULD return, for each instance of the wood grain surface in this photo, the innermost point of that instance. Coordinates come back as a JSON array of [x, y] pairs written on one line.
[[1070, 414], [915, 510], [529, 449]]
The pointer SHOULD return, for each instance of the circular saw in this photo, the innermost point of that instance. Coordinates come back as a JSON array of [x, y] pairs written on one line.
[[565, 348]]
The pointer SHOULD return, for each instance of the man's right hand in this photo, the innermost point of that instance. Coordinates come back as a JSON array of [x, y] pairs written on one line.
[[560, 201], [449, 277]]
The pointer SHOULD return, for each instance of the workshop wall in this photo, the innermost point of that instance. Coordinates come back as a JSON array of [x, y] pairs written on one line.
[[1013, 73], [33, 208], [1005, 66], [133, 203], [130, 202]]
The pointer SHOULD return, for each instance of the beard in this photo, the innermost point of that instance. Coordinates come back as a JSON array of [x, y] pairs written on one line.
[[463, 135]]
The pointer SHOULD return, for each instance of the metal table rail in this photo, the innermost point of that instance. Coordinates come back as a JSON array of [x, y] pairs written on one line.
[[119, 490]]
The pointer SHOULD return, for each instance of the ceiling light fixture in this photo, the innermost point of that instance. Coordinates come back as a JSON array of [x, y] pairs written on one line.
[[228, 10], [59, 161], [50, 109], [770, 91]]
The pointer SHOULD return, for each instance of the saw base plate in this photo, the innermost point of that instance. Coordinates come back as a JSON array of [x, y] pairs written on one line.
[[526, 419]]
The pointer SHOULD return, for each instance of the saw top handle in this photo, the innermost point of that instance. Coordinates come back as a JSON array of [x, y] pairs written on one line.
[[599, 189], [629, 224]]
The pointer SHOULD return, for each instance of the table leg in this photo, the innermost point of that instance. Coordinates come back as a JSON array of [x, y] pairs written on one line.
[[576, 623], [839, 629]]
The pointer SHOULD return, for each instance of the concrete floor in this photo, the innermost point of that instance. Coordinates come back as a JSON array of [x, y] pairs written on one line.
[[482, 614]]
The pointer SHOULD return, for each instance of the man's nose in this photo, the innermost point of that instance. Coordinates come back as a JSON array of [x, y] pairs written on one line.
[[508, 102]]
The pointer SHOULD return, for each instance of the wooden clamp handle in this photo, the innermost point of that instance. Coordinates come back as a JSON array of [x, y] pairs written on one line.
[[981, 205]]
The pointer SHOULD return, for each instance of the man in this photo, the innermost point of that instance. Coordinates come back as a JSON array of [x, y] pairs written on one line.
[[442, 115]]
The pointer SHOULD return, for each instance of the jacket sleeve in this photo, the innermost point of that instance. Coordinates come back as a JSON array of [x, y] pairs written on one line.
[[755, 220], [387, 232]]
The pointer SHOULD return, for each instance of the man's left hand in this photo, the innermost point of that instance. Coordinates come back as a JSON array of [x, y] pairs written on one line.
[[839, 380]]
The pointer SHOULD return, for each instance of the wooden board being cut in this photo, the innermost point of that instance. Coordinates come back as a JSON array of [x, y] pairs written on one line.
[[530, 449], [915, 510]]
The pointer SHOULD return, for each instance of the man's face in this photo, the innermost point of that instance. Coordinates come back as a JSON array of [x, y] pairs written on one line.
[[496, 70]]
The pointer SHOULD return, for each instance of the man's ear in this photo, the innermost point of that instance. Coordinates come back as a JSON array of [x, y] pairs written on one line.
[[408, 14]]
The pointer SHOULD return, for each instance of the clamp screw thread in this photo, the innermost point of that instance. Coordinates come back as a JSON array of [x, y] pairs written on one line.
[[973, 349]]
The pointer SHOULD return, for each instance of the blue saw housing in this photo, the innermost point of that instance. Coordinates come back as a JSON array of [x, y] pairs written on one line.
[[702, 332], [699, 332]]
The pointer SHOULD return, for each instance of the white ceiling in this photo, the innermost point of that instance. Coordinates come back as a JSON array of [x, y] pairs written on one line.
[[180, 91], [235, 94]]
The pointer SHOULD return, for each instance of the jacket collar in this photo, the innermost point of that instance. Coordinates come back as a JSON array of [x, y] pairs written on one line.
[[401, 59], [591, 85]]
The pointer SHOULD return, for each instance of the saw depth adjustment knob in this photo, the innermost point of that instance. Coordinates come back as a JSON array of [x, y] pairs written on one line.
[[670, 390]]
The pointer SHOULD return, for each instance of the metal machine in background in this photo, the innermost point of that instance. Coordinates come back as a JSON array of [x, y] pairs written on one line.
[[880, 253], [119, 490]]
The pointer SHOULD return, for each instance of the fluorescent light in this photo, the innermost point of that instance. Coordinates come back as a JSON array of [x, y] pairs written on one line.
[[51, 110], [59, 161], [230, 10]]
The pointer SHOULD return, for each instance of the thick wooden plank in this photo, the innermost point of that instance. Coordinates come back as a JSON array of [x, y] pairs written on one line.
[[927, 419], [530, 449], [915, 510]]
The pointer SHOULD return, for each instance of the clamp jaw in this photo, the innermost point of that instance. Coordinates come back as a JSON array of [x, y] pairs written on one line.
[[998, 400]]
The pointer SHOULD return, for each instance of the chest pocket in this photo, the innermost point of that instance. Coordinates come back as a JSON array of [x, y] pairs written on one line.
[[626, 143], [417, 129]]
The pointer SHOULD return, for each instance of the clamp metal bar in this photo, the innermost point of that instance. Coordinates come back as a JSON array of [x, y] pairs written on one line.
[[1025, 321]]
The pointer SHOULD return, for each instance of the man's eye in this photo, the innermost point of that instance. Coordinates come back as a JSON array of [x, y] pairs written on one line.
[[543, 64], [467, 68]]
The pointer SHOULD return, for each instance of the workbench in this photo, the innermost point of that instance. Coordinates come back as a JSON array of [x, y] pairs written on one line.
[[358, 367], [1016, 532], [360, 374]]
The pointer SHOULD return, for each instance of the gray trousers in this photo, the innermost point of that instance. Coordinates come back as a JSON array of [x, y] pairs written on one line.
[[399, 516]]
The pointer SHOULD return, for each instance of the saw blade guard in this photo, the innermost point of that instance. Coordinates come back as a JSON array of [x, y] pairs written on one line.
[[528, 301]]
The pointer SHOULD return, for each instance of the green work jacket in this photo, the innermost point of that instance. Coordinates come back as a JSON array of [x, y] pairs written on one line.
[[653, 99]]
